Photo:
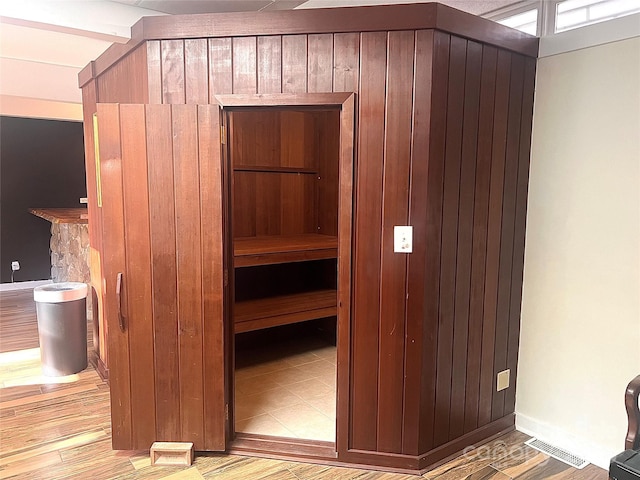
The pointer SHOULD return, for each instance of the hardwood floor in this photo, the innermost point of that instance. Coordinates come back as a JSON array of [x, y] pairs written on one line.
[[59, 428]]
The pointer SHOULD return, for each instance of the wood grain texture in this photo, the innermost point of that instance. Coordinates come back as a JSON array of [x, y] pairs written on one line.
[[127, 81], [113, 256], [479, 248], [244, 65], [195, 69], [519, 228], [173, 71], [186, 172], [368, 186], [294, 63], [320, 59], [154, 71], [213, 252], [508, 223], [220, 67], [270, 64], [461, 337], [395, 211], [346, 62], [451, 200], [494, 224], [138, 272], [163, 271]]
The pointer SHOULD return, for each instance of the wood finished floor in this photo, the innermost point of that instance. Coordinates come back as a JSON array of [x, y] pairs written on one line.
[[62, 431]]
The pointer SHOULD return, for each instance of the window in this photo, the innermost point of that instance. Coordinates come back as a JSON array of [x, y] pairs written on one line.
[[578, 13], [526, 22]]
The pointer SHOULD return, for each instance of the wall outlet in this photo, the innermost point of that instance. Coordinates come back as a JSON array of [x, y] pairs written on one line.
[[15, 265], [403, 239], [503, 380]]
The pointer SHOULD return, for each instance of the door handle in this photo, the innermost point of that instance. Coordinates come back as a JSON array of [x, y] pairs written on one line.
[[119, 300]]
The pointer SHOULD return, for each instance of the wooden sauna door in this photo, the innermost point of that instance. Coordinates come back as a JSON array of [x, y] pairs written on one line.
[[160, 189]]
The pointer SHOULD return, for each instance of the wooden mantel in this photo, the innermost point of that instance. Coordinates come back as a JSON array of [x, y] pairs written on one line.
[[62, 215]]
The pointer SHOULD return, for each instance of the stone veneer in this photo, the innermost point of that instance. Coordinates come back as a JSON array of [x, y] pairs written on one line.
[[70, 252]]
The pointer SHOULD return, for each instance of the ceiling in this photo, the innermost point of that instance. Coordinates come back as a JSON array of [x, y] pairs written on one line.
[[45, 43]]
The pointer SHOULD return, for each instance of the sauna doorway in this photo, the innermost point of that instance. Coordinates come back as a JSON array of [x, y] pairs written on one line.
[[284, 176]]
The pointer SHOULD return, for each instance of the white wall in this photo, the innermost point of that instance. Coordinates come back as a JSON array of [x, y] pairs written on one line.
[[580, 337]]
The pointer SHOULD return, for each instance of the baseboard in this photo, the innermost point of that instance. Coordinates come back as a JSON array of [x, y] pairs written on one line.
[[599, 455], [8, 287], [99, 366]]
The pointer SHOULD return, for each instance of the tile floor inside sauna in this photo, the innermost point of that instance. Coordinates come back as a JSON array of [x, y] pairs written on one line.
[[287, 389]]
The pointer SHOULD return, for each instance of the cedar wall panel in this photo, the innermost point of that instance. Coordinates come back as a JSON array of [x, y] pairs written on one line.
[[430, 330]]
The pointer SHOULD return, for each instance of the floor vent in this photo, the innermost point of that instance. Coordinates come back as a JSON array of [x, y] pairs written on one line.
[[557, 453]]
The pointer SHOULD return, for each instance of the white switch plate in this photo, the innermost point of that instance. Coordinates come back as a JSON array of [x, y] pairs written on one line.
[[503, 380], [403, 239]]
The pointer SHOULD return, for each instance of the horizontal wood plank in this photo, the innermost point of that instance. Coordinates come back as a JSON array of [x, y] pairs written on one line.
[[264, 250]]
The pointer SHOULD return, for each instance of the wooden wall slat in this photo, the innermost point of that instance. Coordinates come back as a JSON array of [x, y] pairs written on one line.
[[327, 146], [126, 81], [173, 75], [435, 198], [270, 64], [507, 234], [154, 69], [114, 262], [244, 65], [368, 185], [186, 174], [455, 105], [461, 336], [138, 274], [519, 229], [395, 211], [494, 223], [320, 70], [163, 271], [211, 222], [479, 248], [417, 345], [220, 67], [346, 62], [196, 61], [294, 63]]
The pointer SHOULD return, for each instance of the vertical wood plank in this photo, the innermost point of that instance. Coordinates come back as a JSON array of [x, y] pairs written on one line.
[[417, 346], [507, 233], [345, 269], [211, 205], [327, 145], [346, 62], [154, 69], [138, 273], [163, 271], [114, 262], [270, 64], [186, 175], [364, 387], [395, 210], [294, 63], [434, 220], [320, 71], [220, 67], [455, 105], [465, 238], [173, 78], [244, 65], [479, 249], [494, 223], [519, 229], [196, 70]]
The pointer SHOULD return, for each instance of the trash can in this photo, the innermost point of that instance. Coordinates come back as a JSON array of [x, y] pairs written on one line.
[[61, 309]]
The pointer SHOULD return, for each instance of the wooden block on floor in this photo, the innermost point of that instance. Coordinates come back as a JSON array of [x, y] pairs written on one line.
[[171, 453]]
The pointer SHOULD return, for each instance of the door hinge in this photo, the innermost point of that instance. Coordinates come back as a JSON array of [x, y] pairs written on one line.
[[223, 135], [226, 278], [226, 411]]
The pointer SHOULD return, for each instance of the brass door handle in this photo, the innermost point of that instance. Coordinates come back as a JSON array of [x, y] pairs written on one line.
[[119, 300]]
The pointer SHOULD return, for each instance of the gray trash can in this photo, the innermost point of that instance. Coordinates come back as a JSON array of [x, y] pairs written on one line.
[[62, 327]]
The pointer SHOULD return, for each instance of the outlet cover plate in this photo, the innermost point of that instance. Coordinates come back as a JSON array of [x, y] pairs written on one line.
[[503, 380], [15, 265], [403, 239]]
